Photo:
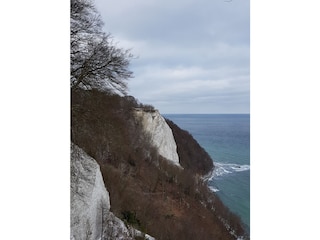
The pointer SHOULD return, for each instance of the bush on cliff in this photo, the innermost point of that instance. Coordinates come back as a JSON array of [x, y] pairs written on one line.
[[167, 202]]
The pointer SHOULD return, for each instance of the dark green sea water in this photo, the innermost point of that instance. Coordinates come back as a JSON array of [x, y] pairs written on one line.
[[226, 137]]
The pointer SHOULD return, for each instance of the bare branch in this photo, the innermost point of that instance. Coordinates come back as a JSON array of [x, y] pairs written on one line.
[[95, 60]]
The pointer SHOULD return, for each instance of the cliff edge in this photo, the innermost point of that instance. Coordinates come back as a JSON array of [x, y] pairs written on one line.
[[91, 217], [133, 147], [160, 133]]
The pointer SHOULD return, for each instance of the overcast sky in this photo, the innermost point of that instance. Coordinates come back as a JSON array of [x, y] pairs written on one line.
[[193, 55]]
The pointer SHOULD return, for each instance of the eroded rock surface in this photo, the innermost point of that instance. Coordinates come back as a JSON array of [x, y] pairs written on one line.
[[161, 134], [91, 218]]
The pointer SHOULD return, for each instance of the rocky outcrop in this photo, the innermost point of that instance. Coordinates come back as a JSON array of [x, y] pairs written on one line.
[[160, 133], [90, 205]]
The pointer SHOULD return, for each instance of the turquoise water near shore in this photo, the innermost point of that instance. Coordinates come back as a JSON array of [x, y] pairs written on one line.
[[226, 137]]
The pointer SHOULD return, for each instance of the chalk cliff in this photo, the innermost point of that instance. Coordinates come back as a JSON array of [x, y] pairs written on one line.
[[126, 139], [161, 134], [91, 218]]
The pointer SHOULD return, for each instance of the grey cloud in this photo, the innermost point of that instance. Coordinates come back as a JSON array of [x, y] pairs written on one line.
[[191, 52]]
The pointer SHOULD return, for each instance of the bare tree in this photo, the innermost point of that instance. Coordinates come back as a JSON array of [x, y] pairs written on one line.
[[96, 61]]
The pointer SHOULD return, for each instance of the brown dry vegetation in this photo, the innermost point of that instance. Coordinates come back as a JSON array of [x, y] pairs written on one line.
[[146, 190], [192, 155]]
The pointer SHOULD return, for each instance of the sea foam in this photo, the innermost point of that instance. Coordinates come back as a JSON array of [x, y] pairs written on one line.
[[213, 189], [222, 169]]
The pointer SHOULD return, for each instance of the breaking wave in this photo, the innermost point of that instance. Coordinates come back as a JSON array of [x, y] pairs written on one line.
[[213, 189], [222, 169]]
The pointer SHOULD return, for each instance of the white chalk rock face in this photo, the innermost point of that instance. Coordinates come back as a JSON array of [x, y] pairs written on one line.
[[160, 133], [91, 218], [89, 197]]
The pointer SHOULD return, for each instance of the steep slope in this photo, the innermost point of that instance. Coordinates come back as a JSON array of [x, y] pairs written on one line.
[[90, 205], [192, 156], [160, 133], [146, 190]]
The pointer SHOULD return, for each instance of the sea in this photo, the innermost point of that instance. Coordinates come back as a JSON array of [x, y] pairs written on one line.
[[226, 138]]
